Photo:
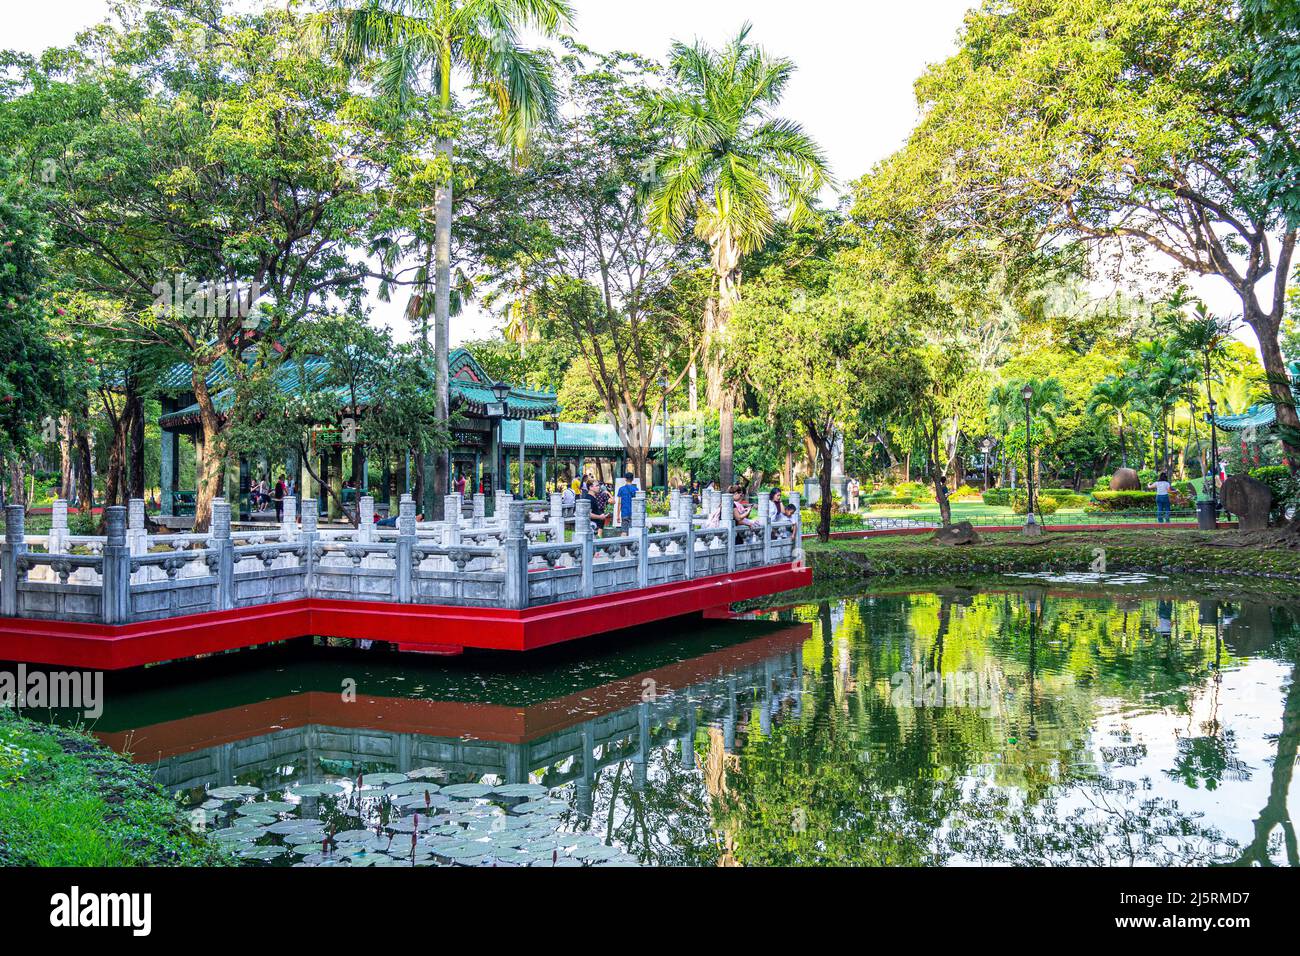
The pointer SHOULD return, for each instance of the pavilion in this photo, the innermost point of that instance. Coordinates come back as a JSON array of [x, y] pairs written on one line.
[[476, 437], [485, 450], [1258, 421]]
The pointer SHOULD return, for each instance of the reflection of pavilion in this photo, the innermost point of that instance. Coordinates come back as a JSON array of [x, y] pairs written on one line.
[[567, 738]]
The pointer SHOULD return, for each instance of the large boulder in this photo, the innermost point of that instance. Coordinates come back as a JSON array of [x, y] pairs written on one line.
[[1250, 500], [1125, 479], [960, 533]]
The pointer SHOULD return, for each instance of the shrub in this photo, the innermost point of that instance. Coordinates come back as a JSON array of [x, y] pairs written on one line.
[[1112, 501], [998, 497], [1046, 504], [965, 493], [1285, 488]]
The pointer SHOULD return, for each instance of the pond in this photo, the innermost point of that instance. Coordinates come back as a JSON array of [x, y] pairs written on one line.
[[1023, 720]]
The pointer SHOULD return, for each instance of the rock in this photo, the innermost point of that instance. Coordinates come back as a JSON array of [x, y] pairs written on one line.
[[1250, 500], [1125, 479], [960, 533]]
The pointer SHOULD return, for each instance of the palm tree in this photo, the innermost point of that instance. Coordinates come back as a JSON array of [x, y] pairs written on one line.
[[731, 168], [419, 46], [1166, 379], [1114, 395]]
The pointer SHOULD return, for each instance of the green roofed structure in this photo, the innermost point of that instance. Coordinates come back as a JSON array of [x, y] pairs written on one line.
[[476, 443], [1259, 419]]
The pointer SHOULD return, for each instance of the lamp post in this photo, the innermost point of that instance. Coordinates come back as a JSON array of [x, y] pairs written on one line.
[[497, 412], [987, 447], [663, 384], [1027, 393]]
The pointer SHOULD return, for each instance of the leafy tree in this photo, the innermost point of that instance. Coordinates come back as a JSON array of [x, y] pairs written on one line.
[[1120, 124], [731, 167], [419, 49], [196, 161], [1114, 395], [32, 380]]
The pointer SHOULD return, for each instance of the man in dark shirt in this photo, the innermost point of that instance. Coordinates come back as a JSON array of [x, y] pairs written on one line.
[[626, 495], [593, 492]]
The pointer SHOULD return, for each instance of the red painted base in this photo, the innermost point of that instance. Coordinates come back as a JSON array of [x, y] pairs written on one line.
[[416, 628]]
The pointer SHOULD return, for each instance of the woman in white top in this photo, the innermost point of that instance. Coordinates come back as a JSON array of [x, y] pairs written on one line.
[[1162, 488]]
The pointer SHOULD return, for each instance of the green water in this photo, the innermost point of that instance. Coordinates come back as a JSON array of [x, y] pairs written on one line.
[[1022, 721]]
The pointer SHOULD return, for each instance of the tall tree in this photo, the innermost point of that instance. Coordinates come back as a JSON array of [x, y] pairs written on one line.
[[194, 162], [422, 47], [1123, 124], [731, 170], [1114, 395]]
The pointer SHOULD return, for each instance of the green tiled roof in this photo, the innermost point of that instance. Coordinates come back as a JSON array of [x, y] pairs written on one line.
[[1258, 417], [470, 390], [572, 437]]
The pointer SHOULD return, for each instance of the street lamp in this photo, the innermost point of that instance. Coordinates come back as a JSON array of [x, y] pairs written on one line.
[[663, 384], [987, 447], [496, 411], [1027, 393]]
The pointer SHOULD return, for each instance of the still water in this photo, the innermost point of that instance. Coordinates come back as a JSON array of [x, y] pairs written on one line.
[[1024, 720]]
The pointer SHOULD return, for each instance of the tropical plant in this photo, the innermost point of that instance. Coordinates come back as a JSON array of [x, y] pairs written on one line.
[[1114, 395], [418, 49], [731, 168]]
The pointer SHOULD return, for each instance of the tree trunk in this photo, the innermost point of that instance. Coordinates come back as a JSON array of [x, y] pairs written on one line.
[[727, 439], [442, 331], [826, 462], [85, 472], [135, 454], [66, 469], [208, 473], [1266, 329]]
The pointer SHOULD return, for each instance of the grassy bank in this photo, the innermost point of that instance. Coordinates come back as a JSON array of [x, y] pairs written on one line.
[[66, 800], [1163, 552]]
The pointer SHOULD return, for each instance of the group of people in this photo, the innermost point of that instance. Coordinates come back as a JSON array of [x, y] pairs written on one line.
[[261, 496], [743, 510]]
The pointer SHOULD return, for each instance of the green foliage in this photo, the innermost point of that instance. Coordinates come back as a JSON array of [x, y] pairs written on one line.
[[1043, 503], [32, 379], [1284, 485], [1111, 501]]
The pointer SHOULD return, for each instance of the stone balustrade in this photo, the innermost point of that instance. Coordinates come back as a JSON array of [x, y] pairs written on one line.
[[528, 554]]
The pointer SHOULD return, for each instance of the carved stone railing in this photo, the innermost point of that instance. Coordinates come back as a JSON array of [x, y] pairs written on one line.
[[531, 554]]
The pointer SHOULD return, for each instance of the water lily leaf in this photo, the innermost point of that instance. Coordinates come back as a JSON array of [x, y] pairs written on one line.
[[426, 773], [529, 790], [467, 791], [382, 779], [233, 793]]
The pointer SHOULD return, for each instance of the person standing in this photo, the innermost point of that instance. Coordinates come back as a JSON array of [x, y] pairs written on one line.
[[281, 489], [1162, 489], [626, 495]]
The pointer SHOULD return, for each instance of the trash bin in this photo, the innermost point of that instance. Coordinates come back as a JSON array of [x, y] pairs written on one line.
[[1206, 519]]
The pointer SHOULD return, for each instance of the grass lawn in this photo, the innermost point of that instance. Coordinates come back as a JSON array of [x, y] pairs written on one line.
[[1150, 550], [66, 800]]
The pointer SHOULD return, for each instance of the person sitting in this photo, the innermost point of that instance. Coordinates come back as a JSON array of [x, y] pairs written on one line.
[[742, 509]]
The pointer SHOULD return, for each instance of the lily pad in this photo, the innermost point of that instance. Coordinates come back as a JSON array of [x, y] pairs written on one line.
[[467, 791], [382, 779], [315, 789], [529, 790], [233, 793], [426, 773]]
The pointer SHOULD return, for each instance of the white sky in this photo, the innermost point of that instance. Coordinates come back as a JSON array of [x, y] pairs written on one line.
[[853, 91]]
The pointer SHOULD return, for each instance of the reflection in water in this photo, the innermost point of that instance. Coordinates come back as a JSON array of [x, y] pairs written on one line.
[[1023, 724]]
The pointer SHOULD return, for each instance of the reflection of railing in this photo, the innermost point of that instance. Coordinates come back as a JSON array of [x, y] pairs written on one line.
[[569, 738], [534, 554]]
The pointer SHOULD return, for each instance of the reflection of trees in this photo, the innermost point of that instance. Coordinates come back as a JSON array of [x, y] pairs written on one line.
[[1275, 813], [1113, 828]]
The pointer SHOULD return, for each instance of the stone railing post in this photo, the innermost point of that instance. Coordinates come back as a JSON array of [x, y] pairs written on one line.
[[137, 536], [516, 548], [480, 511], [289, 519], [116, 573], [58, 539], [765, 529], [366, 520], [729, 525], [406, 541], [557, 518], [582, 534], [641, 534], [310, 535], [451, 512], [501, 507], [796, 552], [674, 503], [220, 542], [10, 550]]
